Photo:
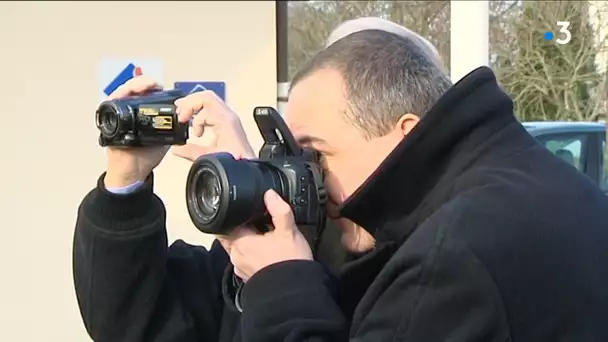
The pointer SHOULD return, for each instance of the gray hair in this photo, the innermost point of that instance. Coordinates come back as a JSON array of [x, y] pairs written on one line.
[[386, 75]]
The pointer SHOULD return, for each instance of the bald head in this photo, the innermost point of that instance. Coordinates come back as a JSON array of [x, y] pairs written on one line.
[[373, 23]]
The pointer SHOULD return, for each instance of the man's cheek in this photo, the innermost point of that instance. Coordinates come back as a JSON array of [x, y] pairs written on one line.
[[333, 190]]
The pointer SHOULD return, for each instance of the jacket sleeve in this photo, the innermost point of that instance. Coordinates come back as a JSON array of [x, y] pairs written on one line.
[[130, 286], [430, 291]]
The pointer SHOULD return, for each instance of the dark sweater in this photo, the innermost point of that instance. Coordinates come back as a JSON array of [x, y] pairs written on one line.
[[482, 235]]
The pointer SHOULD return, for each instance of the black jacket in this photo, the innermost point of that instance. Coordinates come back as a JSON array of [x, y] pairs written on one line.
[[482, 235]]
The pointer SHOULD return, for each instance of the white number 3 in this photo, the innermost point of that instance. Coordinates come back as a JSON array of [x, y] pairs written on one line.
[[563, 29]]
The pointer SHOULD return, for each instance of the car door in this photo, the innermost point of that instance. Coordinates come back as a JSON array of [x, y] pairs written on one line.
[[573, 148]]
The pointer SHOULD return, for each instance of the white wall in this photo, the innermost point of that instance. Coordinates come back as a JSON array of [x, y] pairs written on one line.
[[598, 14], [49, 57], [469, 36]]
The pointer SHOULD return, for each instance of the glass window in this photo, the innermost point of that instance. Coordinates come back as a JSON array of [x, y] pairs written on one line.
[[604, 163], [568, 147]]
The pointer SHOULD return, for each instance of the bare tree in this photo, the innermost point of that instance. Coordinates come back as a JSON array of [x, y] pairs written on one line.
[[311, 22], [548, 81]]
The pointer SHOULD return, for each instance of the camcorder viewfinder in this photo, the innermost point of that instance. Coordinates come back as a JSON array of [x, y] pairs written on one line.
[[223, 193], [147, 120]]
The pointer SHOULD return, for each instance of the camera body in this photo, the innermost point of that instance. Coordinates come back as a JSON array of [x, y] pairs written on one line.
[[300, 190], [303, 187], [223, 193], [149, 120]]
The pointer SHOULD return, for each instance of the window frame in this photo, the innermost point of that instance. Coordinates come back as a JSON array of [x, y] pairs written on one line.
[[602, 163]]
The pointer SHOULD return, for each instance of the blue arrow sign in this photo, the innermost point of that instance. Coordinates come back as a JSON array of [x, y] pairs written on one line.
[[219, 88], [126, 74]]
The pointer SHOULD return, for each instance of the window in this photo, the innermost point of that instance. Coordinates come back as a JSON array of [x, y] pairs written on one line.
[[604, 163], [568, 147]]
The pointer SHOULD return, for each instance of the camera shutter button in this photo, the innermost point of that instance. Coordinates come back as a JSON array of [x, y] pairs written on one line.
[[297, 200]]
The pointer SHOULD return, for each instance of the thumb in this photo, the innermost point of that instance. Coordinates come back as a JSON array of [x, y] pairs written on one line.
[[190, 152], [280, 211]]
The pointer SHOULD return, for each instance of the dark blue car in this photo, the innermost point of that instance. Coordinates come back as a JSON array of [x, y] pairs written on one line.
[[581, 144]]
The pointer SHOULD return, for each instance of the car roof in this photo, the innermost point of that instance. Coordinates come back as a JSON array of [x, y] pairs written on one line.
[[546, 127]]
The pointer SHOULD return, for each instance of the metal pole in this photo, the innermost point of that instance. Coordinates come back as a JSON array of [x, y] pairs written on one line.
[[469, 37], [282, 15]]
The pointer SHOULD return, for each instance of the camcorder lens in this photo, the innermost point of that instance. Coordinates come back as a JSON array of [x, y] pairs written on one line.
[[107, 121]]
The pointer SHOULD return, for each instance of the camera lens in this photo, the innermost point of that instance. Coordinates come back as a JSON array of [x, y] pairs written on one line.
[[107, 121], [209, 189], [223, 193]]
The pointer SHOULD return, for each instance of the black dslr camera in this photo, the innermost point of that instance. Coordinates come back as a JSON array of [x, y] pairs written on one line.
[[141, 121], [223, 193]]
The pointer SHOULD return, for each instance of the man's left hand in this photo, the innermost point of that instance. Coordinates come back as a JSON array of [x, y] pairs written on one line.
[[250, 251]]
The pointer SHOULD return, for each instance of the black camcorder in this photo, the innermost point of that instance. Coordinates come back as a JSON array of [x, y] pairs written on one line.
[[141, 121], [223, 193]]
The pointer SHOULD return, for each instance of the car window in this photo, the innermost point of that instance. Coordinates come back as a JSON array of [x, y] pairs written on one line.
[[604, 164], [568, 147]]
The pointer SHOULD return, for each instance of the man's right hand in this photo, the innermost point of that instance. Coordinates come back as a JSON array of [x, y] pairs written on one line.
[[211, 113], [129, 165]]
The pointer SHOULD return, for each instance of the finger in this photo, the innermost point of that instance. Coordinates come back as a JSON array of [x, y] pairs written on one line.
[[188, 106], [226, 243], [240, 274], [280, 211], [191, 152], [238, 261], [136, 85], [239, 233], [199, 123]]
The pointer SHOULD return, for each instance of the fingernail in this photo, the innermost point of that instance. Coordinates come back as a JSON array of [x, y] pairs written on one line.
[[272, 196]]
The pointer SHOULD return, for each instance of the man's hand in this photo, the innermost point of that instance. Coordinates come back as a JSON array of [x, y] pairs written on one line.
[[210, 112], [251, 251], [126, 166]]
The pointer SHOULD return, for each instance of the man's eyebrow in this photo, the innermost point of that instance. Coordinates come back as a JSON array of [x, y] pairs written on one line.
[[310, 139]]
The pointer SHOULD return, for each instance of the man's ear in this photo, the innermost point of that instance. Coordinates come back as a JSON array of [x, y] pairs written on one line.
[[407, 122]]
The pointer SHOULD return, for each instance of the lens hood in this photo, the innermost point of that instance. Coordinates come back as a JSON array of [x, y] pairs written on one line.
[[242, 184]]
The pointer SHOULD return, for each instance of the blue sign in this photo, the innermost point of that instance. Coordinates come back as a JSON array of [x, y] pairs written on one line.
[[219, 88], [126, 74]]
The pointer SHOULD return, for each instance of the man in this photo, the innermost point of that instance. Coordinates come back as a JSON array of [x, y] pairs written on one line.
[[462, 227]]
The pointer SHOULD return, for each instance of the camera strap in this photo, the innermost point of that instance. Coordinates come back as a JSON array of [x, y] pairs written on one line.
[[232, 289]]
